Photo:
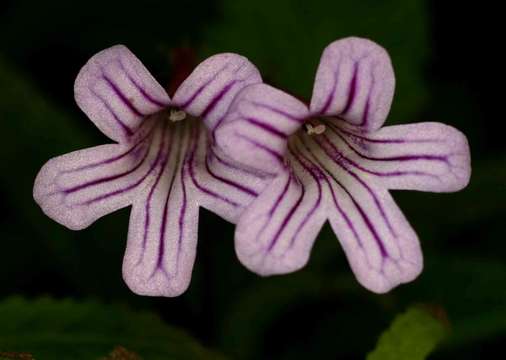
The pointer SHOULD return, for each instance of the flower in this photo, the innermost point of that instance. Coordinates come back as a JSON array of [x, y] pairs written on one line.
[[163, 163], [334, 161]]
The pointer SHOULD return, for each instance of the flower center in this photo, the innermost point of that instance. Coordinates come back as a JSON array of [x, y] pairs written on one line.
[[176, 115], [315, 126]]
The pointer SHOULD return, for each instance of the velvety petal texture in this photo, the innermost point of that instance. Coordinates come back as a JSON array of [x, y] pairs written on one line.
[[333, 162], [117, 92], [165, 164], [211, 87], [258, 125], [355, 81]]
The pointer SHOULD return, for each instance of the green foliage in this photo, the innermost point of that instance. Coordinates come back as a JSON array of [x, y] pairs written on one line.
[[412, 335], [66, 329], [285, 39]]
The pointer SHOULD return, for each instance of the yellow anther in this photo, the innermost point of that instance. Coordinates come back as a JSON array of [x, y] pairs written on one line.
[[177, 115]]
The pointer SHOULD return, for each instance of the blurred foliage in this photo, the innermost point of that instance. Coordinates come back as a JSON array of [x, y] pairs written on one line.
[[319, 312], [66, 329], [413, 335]]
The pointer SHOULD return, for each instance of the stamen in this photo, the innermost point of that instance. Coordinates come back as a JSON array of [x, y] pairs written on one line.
[[177, 115], [317, 130]]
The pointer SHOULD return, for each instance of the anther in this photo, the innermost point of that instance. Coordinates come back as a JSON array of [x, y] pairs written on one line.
[[317, 130], [177, 115]]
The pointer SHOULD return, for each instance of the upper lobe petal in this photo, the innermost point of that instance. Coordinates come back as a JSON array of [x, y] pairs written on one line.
[[355, 82], [117, 92], [211, 87]]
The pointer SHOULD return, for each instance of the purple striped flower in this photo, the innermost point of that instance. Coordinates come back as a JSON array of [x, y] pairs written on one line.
[[163, 163], [334, 161]]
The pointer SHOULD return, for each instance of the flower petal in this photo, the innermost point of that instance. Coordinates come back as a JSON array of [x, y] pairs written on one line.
[[163, 230], [162, 236], [78, 188], [425, 156], [276, 232], [223, 186], [117, 92], [258, 125], [211, 87], [355, 82], [381, 246]]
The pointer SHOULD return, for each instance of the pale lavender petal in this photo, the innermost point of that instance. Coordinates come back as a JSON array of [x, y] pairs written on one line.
[[211, 87], [355, 82], [162, 236], [117, 92], [258, 125], [163, 230], [276, 232], [381, 246], [78, 188], [222, 185], [425, 156]]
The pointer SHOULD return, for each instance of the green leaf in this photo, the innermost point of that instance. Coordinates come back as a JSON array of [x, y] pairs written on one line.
[[412, 335], [66, 329], [285, 39]]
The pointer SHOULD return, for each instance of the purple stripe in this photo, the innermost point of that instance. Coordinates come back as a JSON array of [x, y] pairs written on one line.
[[130, 187], [287, 217], [122, 96], [392, 158], [182, 212], [340, 156], [216, 99], [385, 141], [364, 216], [332, 94], [318, 200], [234, 167], [275, 206], [229, 182], [365, 115], [334, 197], [187, 103], [195, 138], [141, 89], [263, 147], [352, 90], [268, 128], [123, 126], [108, 178], [363, 183], [278, 111], [163, 225], [113, 159], [147, 208]]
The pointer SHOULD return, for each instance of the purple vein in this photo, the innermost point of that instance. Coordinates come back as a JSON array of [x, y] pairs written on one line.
[[228, 181], [141, 89], [131, 186], [147, 207], [191, 169], [318, 200], [287, 218], [202, 87], [113, 159], [352, 90], [362, 213], [359, 180], [163, 225], [108, 107], [122, 96]]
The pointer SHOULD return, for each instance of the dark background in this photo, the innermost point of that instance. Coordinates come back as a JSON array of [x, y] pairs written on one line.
[[447, 61]]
